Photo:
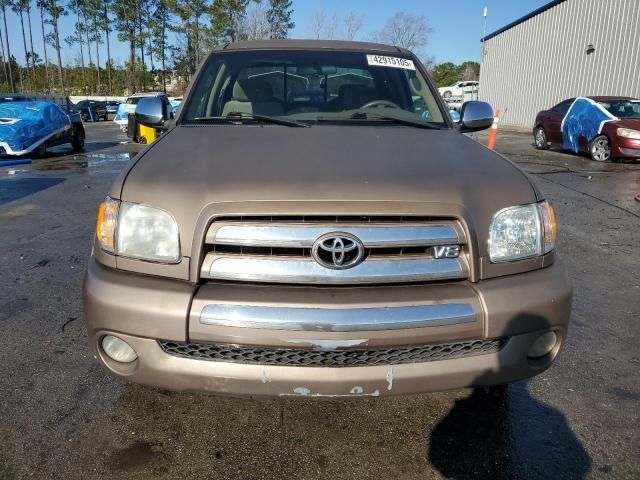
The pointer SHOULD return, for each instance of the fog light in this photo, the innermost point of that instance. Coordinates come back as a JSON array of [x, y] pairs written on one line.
[[118, 350], [543, 345]]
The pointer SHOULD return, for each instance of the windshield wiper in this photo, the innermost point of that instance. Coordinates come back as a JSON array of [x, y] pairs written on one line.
[[240, 116], [360, 115]]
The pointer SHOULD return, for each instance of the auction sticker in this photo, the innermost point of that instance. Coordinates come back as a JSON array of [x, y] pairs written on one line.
[[394, 62]]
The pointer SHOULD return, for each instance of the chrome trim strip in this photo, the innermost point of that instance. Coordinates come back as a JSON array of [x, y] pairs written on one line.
[[336, 320], [279, 269], [303, 235]]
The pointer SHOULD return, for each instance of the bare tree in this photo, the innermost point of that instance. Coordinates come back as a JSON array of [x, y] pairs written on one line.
[[352, 25], [318, 19], [331, 27], [429, 62], [256, 24], [406, 31], [323, 26]]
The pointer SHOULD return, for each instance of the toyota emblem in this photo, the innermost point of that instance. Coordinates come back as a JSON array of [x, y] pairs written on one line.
[[338, 250]]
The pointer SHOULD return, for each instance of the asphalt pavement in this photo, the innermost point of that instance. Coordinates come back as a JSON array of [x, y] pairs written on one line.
[[63, 416]]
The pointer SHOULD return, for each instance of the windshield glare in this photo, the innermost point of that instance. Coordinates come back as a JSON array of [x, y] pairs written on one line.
[[623, 108], [311, 86]]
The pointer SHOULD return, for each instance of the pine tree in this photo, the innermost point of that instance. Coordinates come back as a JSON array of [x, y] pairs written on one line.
[[55, 11], [227, 17], [40, 5], [279, 18], [104, 23], [159, 24], [126, 24]]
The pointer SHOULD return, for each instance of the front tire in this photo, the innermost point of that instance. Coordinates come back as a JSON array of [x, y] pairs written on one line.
[[78, 141], [600, 149], [41, 150], [540, 139], [446, 94]]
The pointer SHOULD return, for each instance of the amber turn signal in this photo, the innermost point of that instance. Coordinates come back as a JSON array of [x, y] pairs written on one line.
[[106, 224], [549, 224]]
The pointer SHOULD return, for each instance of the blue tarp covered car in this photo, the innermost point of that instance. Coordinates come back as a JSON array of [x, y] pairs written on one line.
[[584, 119], [31, 126]]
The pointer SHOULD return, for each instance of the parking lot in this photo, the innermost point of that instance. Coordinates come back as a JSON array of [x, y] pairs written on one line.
[[63, 416]]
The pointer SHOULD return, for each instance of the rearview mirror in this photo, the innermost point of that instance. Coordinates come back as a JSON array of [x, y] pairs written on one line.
[[475, 116], [151, 112]]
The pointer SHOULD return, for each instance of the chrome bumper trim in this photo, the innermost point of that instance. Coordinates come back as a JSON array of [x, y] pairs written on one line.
[[279, 269], [336, 320], [303, 235]]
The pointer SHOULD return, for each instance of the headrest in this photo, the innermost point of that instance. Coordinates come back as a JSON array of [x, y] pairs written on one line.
[[252, 90]]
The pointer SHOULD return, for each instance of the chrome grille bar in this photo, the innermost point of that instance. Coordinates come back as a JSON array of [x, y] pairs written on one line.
[[297, 235], [305, 270], [336, 320]]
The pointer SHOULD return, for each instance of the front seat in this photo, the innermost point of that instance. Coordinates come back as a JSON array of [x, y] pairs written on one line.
[[253, 96]]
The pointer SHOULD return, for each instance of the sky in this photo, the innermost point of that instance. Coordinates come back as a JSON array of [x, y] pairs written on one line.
[[457, 24]]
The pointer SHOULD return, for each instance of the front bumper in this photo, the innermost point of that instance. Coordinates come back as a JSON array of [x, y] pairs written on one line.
[[142, 310], [626, 148]]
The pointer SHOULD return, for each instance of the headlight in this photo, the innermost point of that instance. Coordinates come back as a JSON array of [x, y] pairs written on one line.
[[522, 232], [138, 231], [629, 133]]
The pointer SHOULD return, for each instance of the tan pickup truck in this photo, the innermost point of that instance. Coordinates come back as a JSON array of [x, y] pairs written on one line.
[[314, 224]]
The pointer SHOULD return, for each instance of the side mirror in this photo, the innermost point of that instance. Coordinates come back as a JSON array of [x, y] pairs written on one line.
[[150, 112], [475, 116]]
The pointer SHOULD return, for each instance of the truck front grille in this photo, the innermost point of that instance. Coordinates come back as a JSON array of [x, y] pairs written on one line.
[[280, 250], [332, 358]]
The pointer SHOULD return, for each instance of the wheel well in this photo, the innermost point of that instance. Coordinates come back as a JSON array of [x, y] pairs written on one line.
[[535, 129], [599, 135]]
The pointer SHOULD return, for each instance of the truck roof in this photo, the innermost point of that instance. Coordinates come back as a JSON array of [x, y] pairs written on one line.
[[311, 45]]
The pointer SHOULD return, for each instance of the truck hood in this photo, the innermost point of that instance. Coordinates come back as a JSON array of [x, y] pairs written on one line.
[[198, 172]]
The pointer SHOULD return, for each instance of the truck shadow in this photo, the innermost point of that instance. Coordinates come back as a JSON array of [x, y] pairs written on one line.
[[16, 187], [506, 433]]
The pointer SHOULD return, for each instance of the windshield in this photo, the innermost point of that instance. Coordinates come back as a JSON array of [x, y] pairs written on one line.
[[133, 100], [312, 86], [623, 108]]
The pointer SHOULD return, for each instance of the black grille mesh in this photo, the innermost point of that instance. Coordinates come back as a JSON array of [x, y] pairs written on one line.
[[332, 358]]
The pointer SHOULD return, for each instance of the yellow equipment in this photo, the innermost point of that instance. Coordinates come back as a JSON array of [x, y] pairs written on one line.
[[146, 135], [140, 133]]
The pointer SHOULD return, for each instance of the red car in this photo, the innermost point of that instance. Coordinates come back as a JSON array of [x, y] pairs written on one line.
[[619, 138]]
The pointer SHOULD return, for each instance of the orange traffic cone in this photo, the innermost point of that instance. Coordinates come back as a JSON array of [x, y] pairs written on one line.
[[494, 131]]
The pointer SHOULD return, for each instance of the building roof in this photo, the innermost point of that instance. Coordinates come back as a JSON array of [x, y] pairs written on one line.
[[538, 11]]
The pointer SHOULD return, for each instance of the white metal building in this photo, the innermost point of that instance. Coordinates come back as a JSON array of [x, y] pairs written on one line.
[[565, 49]]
